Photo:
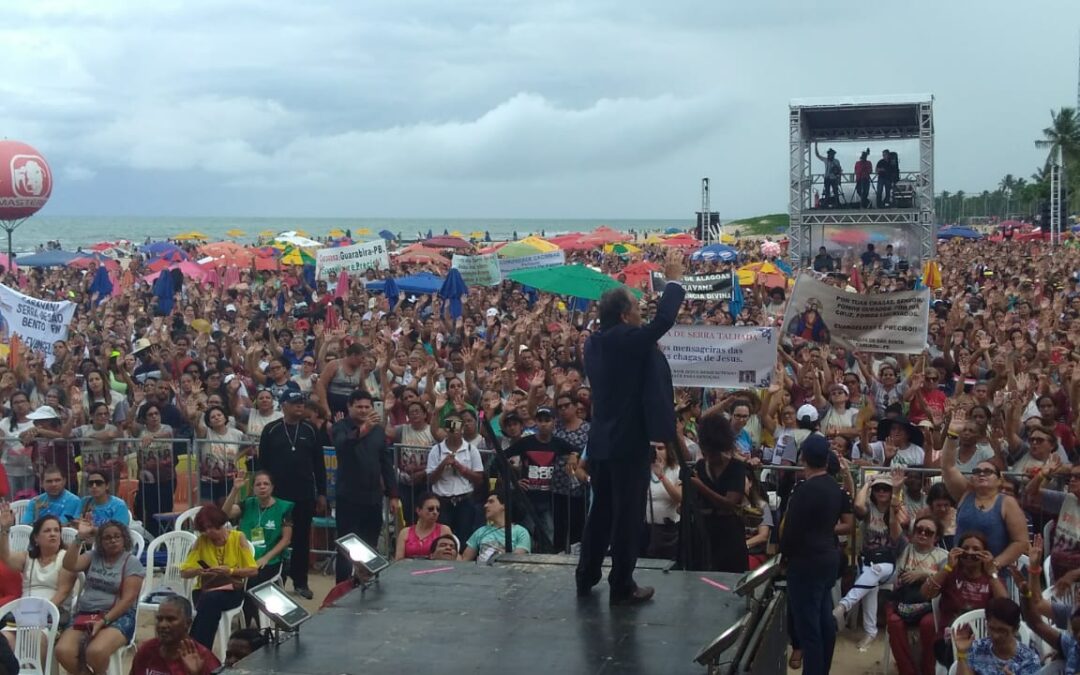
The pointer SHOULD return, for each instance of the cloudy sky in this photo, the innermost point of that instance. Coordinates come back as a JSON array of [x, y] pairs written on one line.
[[425, 108]]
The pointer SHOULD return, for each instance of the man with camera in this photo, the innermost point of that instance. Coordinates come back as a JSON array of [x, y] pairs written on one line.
[[365, 470], [454, 470]]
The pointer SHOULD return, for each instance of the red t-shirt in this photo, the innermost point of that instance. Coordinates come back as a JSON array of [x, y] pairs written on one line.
[[959, 595], [935, 400], [148, 661]]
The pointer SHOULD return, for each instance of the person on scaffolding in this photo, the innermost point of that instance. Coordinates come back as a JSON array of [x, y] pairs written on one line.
[[833, 174]]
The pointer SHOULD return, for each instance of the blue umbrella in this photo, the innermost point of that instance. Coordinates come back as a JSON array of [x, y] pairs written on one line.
[[309, 275], [958, 233], [452, 289], [163, 291], [721, 252], [102, 284], [672, 230], [158, 249], [387, 235], [736, 304], [390, 290]]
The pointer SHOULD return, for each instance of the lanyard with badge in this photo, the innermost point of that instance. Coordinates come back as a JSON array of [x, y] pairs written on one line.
[[258, 538]]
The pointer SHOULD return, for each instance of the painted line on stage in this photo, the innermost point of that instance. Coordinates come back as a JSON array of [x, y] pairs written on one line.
[[707, 580], [432, 571]]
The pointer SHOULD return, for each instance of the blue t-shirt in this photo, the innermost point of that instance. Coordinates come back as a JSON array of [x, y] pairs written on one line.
[[114, 509], [490, 540], [65, 507], [982, 661]]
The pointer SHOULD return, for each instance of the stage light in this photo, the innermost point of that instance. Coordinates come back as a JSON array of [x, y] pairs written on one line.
[[709, 656], [362, 555], [286, 614], [755, 578]]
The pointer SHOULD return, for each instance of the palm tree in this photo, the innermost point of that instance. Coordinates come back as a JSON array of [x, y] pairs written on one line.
[[1007, 184], [1064, 134]]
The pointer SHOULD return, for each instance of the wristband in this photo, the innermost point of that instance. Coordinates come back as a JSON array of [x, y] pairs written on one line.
[[961, 655]]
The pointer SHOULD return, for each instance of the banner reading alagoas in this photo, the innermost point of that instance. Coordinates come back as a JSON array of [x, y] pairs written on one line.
[[881, 322], [356, 258], [727, 357]]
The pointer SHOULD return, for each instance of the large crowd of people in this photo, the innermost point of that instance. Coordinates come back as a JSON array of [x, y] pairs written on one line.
[[904, 490]]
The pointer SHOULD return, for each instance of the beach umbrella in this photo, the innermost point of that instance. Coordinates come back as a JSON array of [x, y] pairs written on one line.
[[958, 233], [476, 234], [309, 274], [681, 241], [294, 255], [721, 252], [266, 233], [526, 246], [387, 235], [336, 233], [727, 239], [452, 289], [8, 263], [232, 276], [446, 242], [576, 281], [605, 235], [421, 258], [390, 290], [101, 285], [191, 236], [297, 239], [673, 230], [234, 233], [765, 273], [163, 291], [457, 233], [363, 232], [621, 249], [849, 237], [158, 249]]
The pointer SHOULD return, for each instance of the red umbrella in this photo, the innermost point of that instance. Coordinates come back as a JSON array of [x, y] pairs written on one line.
[[681, 241], [446, 242], [850, 237]]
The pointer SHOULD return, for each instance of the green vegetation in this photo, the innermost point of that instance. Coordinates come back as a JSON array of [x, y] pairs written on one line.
[[1018, 196], [772, 223]]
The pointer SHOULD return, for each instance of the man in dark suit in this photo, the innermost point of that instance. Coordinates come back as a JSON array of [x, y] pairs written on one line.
[[632, 404]]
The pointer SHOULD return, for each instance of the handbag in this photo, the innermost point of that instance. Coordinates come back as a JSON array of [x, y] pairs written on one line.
[[83, 620], [663, 537]]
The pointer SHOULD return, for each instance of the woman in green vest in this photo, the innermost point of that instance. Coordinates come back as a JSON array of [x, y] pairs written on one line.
[[266, 521]]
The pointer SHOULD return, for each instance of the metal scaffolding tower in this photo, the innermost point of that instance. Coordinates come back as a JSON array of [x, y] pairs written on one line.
[[1057, 188], [859, 120]]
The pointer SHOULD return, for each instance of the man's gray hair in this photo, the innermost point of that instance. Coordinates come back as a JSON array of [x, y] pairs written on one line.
[[180, 602], [613, 304]]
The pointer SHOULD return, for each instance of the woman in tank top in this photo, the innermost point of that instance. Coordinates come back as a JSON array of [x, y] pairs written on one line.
[[415, 541], [982, 507], [43, 573]]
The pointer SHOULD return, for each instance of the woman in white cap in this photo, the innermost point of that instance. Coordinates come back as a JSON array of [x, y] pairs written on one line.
[[17, 431], [877, 560]]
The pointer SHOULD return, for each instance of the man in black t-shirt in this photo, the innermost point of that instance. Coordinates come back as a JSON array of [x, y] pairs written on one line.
[[538, 454], [818, 508]]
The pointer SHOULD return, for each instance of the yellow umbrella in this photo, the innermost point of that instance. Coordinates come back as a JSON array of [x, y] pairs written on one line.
[[654, 239], [336, 233], [191, 236], [727, 239], [480, 235], [302, 233], [458, 234], [234, 233], [267, 233], [363, 232], [296, 256]]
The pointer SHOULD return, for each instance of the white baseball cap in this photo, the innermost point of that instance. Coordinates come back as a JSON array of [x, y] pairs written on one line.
[[492, 312], [807, 413], [45, 412]]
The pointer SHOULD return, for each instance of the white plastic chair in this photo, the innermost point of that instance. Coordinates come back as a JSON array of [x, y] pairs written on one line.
[[18, 508], [19, 539], [68, 535], [976, 618], [177, 545], [221, 640], [185, 517], [116, 661], [137, 544], [28, 637]]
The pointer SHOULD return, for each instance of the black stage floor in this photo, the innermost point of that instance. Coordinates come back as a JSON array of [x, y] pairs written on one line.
[[510, 617]]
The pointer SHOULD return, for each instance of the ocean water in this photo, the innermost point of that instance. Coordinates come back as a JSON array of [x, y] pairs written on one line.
[[74, 231]]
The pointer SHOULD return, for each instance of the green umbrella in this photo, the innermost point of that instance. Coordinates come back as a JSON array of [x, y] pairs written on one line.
[[577, 281]]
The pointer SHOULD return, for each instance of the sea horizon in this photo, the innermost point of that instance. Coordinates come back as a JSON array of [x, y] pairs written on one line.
[[75, 231]]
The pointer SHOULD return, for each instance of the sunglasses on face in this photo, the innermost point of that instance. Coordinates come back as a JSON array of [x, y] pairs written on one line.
[[926, 531], [983, 472], [95, 482]]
